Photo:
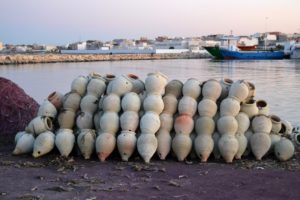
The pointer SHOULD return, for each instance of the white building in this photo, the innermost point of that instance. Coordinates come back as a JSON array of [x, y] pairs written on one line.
[[171, 44], [247, 41]]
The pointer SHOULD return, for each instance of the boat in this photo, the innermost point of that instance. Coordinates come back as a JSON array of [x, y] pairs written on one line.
[[235, 53], [214, 51], [247, 48], [295, 51]]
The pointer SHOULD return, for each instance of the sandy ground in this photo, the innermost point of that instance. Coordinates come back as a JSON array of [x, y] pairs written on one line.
[[53, 177]]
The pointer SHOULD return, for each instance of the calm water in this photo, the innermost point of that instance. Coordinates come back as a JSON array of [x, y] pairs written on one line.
[[278, 82]]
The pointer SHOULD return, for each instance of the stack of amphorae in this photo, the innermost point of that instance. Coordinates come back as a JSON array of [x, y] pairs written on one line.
[[104, 113]]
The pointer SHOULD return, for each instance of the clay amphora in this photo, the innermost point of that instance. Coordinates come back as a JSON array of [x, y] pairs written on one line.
[[243, 142], [211, 89], [276, 123], [252, 91], [71, 101], [225, 84], [181, 146], [274, 139], [108, 79], [85, 120], [295, 137], [96, 86], [261, 123], [248, 135], [192, 88], [131, 102], [47, 109], [147, 146], [64, 141], [66, 119], [39, 125], [243, 122], [263, 107], [153, 103], [260, 144], [112, 103], [207, 107], [284, 149], [230, 106], [89, 103], [86, 142], [164, 143], [216, 136], [150, 122], [105, 145], [239, 90], [205, 125], [155, 83], [56, 98], [170, 104], [187, 106], [129, 121], [109, 122], [121, 85], [138, 85], [24, 144], [286, 128], [184, 124], [227, 125], [79, 85], [228, 146], [174, 88], [204, 145], [249, 107], [126, 143], [43, 144], [166, 121]]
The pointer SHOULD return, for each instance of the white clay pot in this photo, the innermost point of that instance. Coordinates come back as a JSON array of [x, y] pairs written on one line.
[[126, 143], [284, 149], [261, 123], [96, 119], [216, 136], [263, 107], [24, 144], [19, 135], [138, 85], [164, 140], [243, 122], [243, 142], [85, 120], [230, 106], [187, 106], [166, 121], [150, 123], [170, 104], [131, 102], [295, 137], [153, 103], [121, 85], [64, 141], [286, 128], [260, 144], [274, 139], [248, 135], [39, 125], [252, 91], [207, 107], [211, 89], [105, 145], [86, 142], [66, 119], [129, 121], [228, 146], [72, 101], [155, 83], [205, 125], [184, 124], [181, 146], [43, 144], [112, 103], [89, 103], [249, 107], [276, 123], [147, 146], [174, 88], [204, 145], [192, 88], [109, 122], [225, 84], [47, 109], [227, 125], [79, 84], [56, 98], [239, 90], [96, 86], [108, 79]]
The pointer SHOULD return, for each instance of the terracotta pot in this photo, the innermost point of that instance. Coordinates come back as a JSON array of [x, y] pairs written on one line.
[[249, 107], [276, 123], [86, 142], [66, 119], [248, 135], [211, 89], [227, 125], [129, 121], [131, 102], [164, 143], [174, 88], [243, 142], [239, 90], [105, 145], [24, 144], [243, 122], [56, 98], [205, 125], [85, 120], [149, 123], [121, 85], [286, 128], [181, 146], [207, 107], [263, 107], [147, 146], [109, 122], [225, 84], [187, 106], [39, 125], [204, 145], [260, 144], [89, 103], [216, 136], [126, 143], [166, 121], [47, 109], [43, 144], [261, 123], [64, 141], [72, 101], [230, 106], [153, 103], [155, 83], [138, 85], [96, 86], [228, 146], [170, 104], [184, 124], [79, 85], [284, 149], [192, 88], [111, 103]]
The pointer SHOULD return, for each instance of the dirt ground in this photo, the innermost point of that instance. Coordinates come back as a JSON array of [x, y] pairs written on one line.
[[53, 177]]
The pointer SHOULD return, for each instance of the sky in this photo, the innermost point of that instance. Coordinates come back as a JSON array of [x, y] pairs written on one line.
[[65, 21]]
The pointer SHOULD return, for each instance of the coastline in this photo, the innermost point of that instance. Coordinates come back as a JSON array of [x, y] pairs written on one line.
[[12, 59]]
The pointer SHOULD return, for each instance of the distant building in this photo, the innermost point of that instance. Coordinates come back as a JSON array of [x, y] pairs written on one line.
[[93, 44], [176, 43], [1, 46], [247, 41]]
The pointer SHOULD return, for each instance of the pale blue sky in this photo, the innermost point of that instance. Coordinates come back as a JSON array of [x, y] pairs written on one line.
[[63, 21]]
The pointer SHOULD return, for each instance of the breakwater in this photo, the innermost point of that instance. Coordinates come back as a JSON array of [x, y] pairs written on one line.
[[55, 58]]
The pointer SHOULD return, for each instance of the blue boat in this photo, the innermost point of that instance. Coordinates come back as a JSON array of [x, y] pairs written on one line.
[[229, 54]]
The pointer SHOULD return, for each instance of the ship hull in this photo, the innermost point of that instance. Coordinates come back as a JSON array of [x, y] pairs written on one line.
[[251, 55]]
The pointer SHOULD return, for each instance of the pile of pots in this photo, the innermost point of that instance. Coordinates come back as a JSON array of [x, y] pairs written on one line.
[[104, 113]]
